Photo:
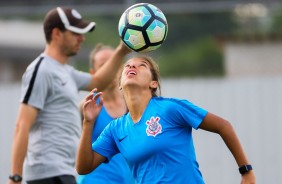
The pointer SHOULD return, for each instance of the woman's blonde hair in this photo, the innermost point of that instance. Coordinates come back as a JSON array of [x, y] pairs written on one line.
[[93, 53]]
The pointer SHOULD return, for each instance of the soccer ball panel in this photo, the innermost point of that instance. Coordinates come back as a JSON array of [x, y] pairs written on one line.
[[134, 39], [157, 12], [138, 16], [156, 31], [121, 24]]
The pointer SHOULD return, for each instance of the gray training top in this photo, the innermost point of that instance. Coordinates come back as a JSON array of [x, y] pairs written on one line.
[[52, 88]]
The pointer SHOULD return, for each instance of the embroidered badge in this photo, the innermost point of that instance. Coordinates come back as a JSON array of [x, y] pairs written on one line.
[[153, 127]]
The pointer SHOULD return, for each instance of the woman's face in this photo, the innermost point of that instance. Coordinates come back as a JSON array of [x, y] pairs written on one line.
[[137, 72]]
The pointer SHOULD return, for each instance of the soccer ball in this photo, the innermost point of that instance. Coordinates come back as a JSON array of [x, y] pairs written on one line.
[[143, 27]]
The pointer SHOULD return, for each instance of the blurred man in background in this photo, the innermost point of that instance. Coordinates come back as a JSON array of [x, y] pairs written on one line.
[[48, 123]]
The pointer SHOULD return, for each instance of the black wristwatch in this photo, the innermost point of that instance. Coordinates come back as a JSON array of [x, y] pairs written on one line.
[[15, 178], [245, 168]]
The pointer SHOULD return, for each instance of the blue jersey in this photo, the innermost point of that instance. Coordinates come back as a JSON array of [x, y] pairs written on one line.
[[159, 148], [114, 172]]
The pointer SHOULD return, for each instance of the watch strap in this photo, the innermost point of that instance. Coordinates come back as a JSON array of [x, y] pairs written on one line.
[[245, 168], [15, 178]]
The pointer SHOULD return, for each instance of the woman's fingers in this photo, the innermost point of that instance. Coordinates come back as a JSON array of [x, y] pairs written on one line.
[[93, 96], [90, 95], [96, 95]]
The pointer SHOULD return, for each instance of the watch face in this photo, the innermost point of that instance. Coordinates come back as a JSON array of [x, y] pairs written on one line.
[[16, 178]]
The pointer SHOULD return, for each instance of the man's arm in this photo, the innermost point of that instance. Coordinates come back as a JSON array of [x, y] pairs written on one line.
[[108, 71], [26, 118]]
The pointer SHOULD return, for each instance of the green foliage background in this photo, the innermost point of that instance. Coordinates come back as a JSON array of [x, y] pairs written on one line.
[[190, 49]]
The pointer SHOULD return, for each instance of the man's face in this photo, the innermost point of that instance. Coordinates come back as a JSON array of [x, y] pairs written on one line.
[[71, 43]]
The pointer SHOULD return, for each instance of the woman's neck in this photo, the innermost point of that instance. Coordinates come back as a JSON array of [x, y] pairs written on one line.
[[114, 103], [110, 94], [137, 101]]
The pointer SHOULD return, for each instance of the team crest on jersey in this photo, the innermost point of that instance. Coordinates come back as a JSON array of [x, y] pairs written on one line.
[[153, 127]]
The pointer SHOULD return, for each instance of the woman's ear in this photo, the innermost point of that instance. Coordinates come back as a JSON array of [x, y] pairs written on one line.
[[91, 71], [154, 84]]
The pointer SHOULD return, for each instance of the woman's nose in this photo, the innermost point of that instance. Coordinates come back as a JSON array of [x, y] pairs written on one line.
[[132, 66]]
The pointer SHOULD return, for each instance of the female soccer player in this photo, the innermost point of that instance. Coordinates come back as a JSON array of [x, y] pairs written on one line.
[[155, 136]]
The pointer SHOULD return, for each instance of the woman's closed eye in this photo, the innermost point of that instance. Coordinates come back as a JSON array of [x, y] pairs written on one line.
[[127, 66], [143, 64]]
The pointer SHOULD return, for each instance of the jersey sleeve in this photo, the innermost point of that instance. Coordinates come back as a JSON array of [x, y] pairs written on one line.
[[189, 114], [105, 144], [36, 83], [82, 79]]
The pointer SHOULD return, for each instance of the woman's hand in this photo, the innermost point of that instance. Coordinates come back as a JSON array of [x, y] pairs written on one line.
[[123, 48], [91, 108], [248, 178]]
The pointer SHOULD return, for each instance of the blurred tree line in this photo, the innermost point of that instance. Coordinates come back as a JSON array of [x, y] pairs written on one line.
[[190, 49], [192, 46]]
